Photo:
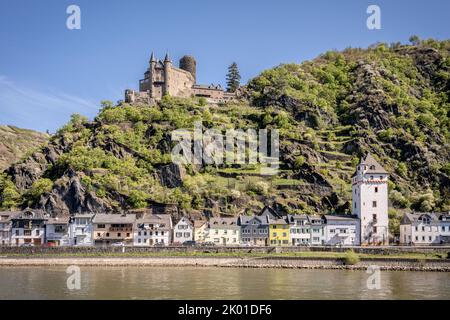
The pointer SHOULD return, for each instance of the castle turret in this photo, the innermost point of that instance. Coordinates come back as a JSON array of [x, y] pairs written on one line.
[[167, 69], [370, 201], [189, 64]]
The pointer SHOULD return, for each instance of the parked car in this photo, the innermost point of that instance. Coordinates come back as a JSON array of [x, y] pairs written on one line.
[[189, 243], [208, 244], [27, 244], [159, 245], [118, 244]]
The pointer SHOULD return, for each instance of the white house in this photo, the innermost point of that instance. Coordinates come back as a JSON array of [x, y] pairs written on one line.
[[28, 227], [81, 230], [370, 201], [341, 230], [183, 231], [317, 230], [5, 227], [153, 229], [223, 231], [57, 231], [300, 232], [419, 228]]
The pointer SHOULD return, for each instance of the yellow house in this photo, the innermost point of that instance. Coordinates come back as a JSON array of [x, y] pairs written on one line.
[[200, 230], [278, 232]]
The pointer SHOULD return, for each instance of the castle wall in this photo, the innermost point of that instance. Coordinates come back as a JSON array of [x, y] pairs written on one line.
[[180, 83]]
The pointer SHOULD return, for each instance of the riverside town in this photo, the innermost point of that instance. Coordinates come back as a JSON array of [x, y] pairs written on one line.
[[367, 226]]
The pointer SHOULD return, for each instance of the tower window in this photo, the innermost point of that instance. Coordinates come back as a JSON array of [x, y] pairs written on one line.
[[355, 205], [376, 189], [374, 204]]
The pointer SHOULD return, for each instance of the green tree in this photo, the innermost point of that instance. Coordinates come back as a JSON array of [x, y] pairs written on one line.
[[415, 40], [233, 78]]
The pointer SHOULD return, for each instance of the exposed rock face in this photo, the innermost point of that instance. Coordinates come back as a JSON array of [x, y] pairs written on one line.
[[70, 196], [171, 176]]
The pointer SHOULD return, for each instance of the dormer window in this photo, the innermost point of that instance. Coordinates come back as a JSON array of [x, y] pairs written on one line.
[[372, 167]]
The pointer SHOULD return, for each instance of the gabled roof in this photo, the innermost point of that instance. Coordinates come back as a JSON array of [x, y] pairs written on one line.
[[58, 220], [29, 214], [185, 219], [293, 217], [282, 220], [372, 165], [199, 223], [411, 217], [223, 223], [163, 220], [339, 218], [114, 218], [269, 212], [245, 220]]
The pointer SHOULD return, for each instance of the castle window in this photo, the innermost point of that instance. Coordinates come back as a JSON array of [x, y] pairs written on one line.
[[374, 204], [355, 205], [372, 167], [376, 189]]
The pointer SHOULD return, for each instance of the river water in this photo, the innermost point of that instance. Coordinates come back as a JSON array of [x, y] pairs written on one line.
[[217, 283]]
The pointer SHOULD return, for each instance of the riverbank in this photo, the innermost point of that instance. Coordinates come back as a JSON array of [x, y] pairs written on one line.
[[391, 264]]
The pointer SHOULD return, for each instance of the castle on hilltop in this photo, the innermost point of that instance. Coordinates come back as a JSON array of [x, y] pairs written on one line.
[[163, 78]]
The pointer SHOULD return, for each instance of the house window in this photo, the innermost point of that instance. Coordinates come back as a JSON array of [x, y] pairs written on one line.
[[25, 232], [374, 204], [38, 232]]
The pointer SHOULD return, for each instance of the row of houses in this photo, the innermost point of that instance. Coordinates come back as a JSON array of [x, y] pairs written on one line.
[[425, 228], [268, 228]]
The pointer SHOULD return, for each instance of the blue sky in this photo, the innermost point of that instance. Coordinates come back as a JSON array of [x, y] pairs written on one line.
[[48, 72]]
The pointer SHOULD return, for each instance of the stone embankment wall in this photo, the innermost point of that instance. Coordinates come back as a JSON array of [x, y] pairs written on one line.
[[280, 263]]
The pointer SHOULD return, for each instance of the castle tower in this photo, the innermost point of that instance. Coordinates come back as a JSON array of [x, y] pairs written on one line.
[[370, 201], [189, 64], [151, 73], [167, 70]]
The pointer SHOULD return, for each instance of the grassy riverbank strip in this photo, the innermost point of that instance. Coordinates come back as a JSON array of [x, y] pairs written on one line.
[[198, 254]]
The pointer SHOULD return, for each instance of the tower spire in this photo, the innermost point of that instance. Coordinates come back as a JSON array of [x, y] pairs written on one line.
[[152, 57], [167, 58]]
